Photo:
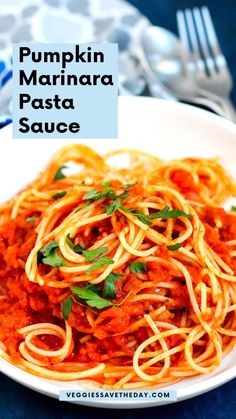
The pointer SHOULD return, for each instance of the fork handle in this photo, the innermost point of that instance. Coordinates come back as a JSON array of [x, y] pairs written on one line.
[[200, 101], [225, 105], [227, 108]]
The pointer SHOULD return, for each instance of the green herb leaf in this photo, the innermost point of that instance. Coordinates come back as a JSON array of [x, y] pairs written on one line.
[[54, 259], [143, 218], [174, 246], [137, 267], [77, 248], [99, 264], [59, 195], [129, 185], [39, 257], [48, 255], [31, 219], [93, 254], [77, 301], [124, 195], [66, 307], [233, 208], [110, 194], [166, 212], [140, 215], [105, 183], [45, 250], [89, 254], [109, 285], [94, 287], [128, 210], [114, 205], [59, 174], [91, 297], [93, 194], [69, 241]]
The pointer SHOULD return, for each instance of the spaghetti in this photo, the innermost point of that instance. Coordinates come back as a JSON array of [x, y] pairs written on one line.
[[121, 278]]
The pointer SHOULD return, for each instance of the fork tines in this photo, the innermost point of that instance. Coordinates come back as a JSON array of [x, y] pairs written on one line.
[[199, 38]]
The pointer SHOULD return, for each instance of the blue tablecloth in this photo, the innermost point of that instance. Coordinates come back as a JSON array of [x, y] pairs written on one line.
[[17, 402]]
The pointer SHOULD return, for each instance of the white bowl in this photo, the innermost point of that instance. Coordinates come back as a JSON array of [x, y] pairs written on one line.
[[167, 129]]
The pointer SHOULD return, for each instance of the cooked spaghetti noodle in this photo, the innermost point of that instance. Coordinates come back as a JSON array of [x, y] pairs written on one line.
[[120, 278]]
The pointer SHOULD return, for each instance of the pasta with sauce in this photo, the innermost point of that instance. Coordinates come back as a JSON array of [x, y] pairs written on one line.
[[119, 278]]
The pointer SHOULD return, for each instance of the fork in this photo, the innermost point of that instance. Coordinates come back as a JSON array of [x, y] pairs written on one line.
[[205, 63]]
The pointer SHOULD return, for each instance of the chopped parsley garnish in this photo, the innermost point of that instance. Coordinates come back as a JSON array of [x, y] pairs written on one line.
[[128, 185], [114, 205], [110, 285], [93, 254], [59, 195], [66, 307], [142, 217], [137, 267], [31, 219], [77, 248], [174, 246], [99, 264], [128, 210], [90, 297], [53, 259], [233, 208], [167, 212], [48, 255], [94, 287], [105, 183], [94, 194], [69, 241], [59, 174], [89, 255], [124, 195]]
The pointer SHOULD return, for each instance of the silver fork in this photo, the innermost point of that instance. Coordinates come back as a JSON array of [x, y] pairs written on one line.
[[205, 62]]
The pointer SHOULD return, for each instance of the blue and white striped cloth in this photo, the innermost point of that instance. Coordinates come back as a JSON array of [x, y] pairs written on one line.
[[5, 91]]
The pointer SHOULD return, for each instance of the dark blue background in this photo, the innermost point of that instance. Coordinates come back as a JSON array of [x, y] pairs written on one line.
[[17, 402]]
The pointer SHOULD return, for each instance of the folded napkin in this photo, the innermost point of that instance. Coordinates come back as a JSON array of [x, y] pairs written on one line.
[[71, 21]]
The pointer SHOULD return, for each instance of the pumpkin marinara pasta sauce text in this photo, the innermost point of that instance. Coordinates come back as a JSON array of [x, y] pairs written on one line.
[[119, 278]]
